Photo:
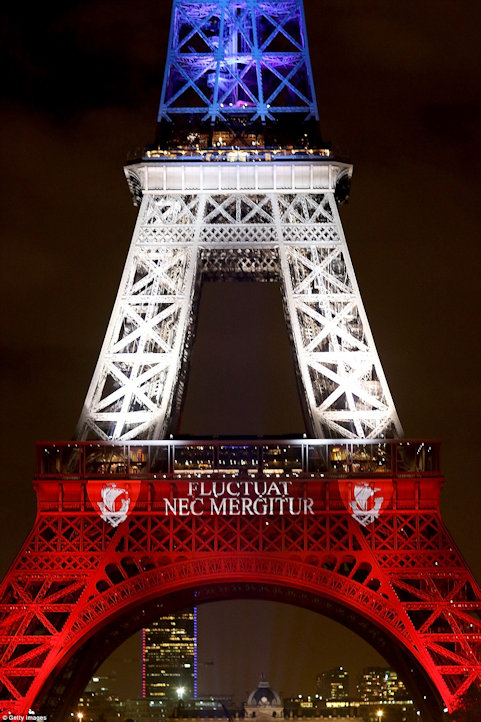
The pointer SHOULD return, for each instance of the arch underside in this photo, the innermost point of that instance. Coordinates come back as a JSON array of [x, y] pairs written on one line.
[[114, 615], [401, 584]]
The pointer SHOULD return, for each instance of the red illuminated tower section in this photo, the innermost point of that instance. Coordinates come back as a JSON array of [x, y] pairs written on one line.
[[133, 524]]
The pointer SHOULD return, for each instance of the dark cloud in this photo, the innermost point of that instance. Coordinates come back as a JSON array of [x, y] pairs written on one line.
[[453, 124], [66, 58]]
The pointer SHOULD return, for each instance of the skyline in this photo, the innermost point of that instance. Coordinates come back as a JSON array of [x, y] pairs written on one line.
[[403, 111], [216, 676], [348, 690]]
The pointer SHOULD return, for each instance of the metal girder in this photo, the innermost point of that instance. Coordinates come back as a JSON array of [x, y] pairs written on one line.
[[132, 389], [292, 236], [231, 57], [402, 574]]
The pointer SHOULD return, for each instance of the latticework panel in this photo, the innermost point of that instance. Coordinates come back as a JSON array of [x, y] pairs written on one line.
[[401, 573], [292, 237], [242, 57], [131, 392]]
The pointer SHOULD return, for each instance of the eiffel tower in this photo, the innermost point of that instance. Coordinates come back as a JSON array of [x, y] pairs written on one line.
[[133, 523], [240, 185]]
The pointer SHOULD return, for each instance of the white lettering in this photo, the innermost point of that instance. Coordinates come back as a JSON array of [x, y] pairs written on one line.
[[291, 506], [247, 506], [260, 488], [192, 507], [226, 498], [246, 486], [285, 485], [273, 489], [183, 505], [233, 485], [170, 507], [193, 486], [281, 502], [218, 488], [308, 504], [218, 508], [263, 504], [234, 505]]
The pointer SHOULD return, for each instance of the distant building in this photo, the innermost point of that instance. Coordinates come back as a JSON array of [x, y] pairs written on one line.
[[264, 702], [379, 684], [381, 690], [219, 708], [169, 657], [333, 684], [142, 710], [97, 702]]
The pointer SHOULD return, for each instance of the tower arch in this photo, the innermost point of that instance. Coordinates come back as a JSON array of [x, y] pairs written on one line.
[[125, 611], [294, 528]]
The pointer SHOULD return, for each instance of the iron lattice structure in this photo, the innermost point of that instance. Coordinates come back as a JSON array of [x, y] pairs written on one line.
[[349, 528], [272, 220], [80, 585], [228, 57], [252, 212]]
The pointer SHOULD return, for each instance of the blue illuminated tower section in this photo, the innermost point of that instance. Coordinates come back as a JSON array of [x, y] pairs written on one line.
[[237, 64]]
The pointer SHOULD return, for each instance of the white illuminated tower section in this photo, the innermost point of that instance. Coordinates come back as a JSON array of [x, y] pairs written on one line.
[[239, 185]]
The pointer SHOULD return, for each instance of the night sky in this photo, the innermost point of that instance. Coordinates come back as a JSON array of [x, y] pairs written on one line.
[[398, 87]]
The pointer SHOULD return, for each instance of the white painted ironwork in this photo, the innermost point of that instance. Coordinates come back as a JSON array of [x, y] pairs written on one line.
[[276, 222]]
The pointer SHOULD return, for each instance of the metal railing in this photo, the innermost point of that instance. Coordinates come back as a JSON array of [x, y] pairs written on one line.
[[331, 458], [235, 154]]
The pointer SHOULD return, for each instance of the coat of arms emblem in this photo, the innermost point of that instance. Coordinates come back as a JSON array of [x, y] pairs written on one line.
[[115, 504], [366, 505]]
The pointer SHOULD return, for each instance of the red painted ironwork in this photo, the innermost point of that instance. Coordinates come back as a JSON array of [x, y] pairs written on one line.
[[399, 576]]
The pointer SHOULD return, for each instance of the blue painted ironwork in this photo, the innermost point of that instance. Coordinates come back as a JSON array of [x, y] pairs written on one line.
[[238, 59]]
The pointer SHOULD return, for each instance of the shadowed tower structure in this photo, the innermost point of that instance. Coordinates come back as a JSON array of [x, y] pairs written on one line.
[[134, 524]]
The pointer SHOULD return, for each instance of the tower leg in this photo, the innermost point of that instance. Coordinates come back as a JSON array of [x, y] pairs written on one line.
[[343, 381], [132, 390]]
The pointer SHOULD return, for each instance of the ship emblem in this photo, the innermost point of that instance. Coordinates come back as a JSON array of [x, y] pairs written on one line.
[[115, 504], [366, 505]]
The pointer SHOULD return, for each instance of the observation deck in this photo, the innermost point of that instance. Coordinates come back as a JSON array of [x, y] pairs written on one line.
[[234, 153], [214, 457]]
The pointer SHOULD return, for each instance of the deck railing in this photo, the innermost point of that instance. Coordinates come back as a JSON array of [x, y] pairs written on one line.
[[331, 458]]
